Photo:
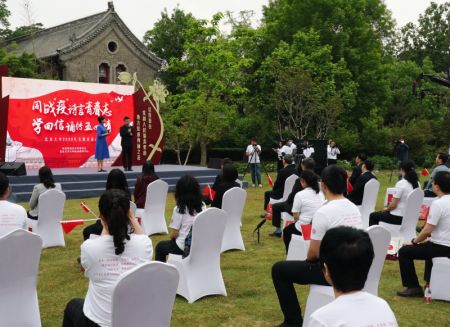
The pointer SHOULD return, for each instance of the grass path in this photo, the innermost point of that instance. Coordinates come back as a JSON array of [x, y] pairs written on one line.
[[251, 299]]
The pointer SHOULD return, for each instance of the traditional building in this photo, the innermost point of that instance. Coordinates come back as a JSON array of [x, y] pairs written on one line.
[[91, 49]]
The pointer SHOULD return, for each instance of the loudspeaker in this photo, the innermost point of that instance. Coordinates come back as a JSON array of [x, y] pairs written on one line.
[[13, 168], [214, 163], [320, 154]]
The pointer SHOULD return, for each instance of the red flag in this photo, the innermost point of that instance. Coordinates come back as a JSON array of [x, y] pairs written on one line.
[[208, 192], [85, 207], [425, 172], [306, 231], [69, 225], [269, 180], [349, 186]]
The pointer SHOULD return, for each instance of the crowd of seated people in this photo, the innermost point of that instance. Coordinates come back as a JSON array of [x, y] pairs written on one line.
[[340, 252]]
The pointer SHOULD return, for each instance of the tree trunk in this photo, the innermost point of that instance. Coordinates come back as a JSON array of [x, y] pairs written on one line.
[[188, 154], [203, 151]]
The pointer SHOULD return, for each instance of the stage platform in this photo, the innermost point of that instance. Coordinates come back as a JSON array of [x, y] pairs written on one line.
[[80, 183]]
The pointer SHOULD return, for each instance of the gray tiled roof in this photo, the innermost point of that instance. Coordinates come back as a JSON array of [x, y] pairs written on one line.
[[72, 35]]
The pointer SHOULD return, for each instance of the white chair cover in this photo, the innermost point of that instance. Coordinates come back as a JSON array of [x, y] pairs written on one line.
[[407, 230], [439, 282], [369, 200], [20, 252], [320, 296], [298, 248], [153, 215], [288, 185], [380, 238], [51, 212], [233, 204], [200, 273], [145, 296]]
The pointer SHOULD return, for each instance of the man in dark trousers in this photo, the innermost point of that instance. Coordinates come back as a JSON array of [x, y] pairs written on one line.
[[357, 194], [279, 208], [360, 158], [283, 174], [126, 132]]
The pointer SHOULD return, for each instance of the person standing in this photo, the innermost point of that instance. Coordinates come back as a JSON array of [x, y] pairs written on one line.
[[332, 152], [401, 150], [126, 132], [252, 152], [438, 229], [279, 152], [101, 145]]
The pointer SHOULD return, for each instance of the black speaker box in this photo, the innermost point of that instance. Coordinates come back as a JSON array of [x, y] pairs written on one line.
[[13, 168]]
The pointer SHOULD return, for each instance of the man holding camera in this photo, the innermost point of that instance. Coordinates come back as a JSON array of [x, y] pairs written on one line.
[[252, 152]]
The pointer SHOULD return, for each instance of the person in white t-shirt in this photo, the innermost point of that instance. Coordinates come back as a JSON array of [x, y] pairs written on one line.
[[12, 216], [252, 152], [306, 203], [337, 211], [393, 213], [346, 254], [121, 246], [332, 152], [189, 203], [437, 229]]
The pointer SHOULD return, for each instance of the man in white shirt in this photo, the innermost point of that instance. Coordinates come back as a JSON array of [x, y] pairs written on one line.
[[337, 211], [347, 254], [252, 152], [438, 228], [12, 216]]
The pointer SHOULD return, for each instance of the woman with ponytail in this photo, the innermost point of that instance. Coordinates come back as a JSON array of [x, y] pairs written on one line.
[[189, 203], [395, 210], [121, 246], [46, 182]]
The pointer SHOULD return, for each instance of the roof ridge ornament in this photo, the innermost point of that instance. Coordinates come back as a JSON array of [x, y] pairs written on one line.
[[110, 5]]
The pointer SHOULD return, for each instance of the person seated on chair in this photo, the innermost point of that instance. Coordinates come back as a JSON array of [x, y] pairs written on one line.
[[438, 229], [337, 211], [306, 203], [140, 189], [393, 214], [229, 177], [360, 158], [218, 180], [286, 206], [105, 258], [278, 188], [441, 160], [46, 182], [12, 216], [346, 255], [116, 180], [189, 203], [357, 194]]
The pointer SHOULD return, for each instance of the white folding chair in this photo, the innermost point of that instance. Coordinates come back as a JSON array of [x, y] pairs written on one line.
[[153, 214], [145, 295], [20, 253], [440, 275], [407, 230], [288, 185], [298, 248], [51, 212], [320, 296], [369, 200], [200, 273], [233, 204]]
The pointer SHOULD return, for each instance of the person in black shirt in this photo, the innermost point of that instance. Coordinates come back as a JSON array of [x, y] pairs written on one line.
[[278, 208], [126, 132], [360, 158], [357, 194], [229, 177], [283, 174]]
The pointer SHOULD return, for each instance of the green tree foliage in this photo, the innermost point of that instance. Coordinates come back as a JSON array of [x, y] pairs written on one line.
[[25, 30], [4, 15], [429, 38]]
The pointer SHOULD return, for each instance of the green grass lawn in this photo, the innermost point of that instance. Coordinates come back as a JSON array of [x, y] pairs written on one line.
[[251, 299]]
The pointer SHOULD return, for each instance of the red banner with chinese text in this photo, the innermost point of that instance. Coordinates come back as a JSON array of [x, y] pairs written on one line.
[[62, 125]]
